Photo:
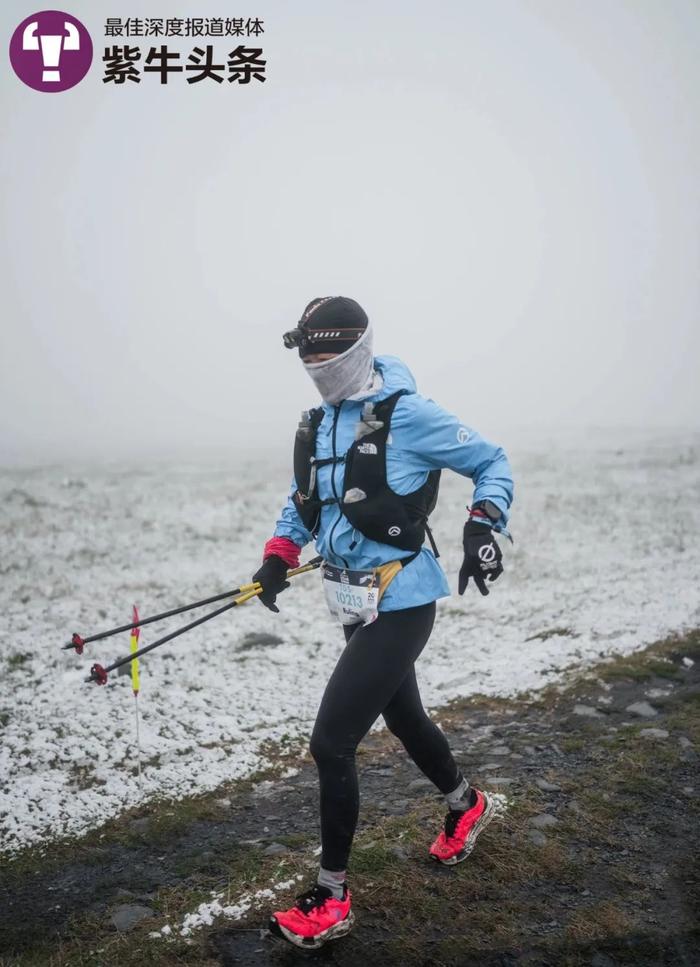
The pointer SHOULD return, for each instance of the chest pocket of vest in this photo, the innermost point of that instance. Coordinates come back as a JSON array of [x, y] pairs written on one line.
[[370, 504], [367, 501]]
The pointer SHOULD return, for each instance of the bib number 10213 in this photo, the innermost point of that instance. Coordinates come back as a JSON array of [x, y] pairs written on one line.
[[351, 596], [351, 600]]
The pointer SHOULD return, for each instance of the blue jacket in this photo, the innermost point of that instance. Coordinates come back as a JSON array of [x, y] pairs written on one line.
[[423, 437]]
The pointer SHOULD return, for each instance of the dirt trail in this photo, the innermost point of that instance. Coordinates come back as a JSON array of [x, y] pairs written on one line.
[[595, 861]]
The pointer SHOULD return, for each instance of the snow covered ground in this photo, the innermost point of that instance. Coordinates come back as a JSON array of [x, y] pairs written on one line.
[[606, 556]]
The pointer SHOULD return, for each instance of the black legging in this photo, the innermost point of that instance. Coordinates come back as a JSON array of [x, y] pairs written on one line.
[[375, 675]]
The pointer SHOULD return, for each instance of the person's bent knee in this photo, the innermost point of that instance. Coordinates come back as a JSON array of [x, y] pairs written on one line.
[[394, 726], [322, 747], [326, 748]]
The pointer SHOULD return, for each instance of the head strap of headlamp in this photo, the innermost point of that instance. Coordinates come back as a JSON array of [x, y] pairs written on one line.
[[304, 338]]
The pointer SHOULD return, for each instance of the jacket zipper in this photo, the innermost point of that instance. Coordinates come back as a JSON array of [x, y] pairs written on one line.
[[336, 414]]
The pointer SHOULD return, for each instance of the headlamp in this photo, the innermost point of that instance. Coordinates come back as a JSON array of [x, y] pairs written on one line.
[[293, 338], [304, 338]]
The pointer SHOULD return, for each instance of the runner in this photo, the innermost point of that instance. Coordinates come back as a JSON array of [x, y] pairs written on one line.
[[367, 464]]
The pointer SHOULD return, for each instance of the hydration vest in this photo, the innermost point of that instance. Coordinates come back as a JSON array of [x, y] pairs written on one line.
[[367, 501]]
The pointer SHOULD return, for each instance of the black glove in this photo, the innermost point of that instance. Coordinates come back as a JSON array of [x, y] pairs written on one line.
[[272, 575], [482, 557]]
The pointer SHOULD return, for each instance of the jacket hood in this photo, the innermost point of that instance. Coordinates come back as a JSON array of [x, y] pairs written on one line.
[[396, 375]]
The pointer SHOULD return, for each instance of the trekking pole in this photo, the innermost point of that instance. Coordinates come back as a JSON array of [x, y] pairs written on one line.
[[99, 674], [78, 642], [136, 688]]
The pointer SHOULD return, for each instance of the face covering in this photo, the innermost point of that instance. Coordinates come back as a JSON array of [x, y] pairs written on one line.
[[347, 376]]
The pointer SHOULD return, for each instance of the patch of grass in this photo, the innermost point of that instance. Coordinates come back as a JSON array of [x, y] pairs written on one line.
[[664, 669], [598, 922], [90, 941], [687, 644], [638, 670], [18, 659], [623, 670], [660, 660], [684, 719], [553, 633], [572, 743], [87, 945], [293, 840], [456, 709], [624, 776]]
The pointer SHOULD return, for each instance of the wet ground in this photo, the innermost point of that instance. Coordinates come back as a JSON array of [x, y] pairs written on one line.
[[595, 861]]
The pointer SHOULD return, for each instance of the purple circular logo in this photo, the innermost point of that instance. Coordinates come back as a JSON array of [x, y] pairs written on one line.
[[51, 51]]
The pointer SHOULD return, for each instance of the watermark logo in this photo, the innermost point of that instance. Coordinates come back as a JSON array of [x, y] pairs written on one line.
[[51, 51]]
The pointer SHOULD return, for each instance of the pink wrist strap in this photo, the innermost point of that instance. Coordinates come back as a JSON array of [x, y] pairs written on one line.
[[284, 548]]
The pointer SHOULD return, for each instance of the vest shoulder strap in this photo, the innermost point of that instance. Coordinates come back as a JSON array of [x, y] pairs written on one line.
[[384, 409]]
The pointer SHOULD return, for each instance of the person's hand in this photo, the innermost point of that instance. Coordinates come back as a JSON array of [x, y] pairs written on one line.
[[273, 577], [482, 557]]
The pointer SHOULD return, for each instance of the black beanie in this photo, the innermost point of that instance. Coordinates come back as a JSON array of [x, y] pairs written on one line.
[[331, 325]]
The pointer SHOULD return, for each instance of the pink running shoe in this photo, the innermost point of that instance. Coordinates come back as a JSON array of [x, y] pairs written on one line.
[[457, 839], [315, 918]]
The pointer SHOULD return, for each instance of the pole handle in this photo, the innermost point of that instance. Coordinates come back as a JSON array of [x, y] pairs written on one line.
[[99, 674]]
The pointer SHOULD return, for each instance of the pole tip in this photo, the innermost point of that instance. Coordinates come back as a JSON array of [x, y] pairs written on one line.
[[76, 642], [97, 674]]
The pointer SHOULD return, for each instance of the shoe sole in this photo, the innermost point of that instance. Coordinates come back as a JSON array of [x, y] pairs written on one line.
[[479, 826], [339, 929]]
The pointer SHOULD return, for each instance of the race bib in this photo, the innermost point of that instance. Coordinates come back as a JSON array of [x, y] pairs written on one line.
[[351, 596]]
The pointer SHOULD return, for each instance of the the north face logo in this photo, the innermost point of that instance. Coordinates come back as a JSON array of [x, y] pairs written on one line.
[[369, 448]]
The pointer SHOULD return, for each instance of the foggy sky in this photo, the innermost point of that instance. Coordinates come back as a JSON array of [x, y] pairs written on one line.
[[510, 189]]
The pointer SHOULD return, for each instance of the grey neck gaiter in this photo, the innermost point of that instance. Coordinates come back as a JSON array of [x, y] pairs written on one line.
[[340, 378]]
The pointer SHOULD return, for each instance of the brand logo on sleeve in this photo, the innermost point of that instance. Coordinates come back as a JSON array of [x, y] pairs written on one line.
[[463, 434]]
